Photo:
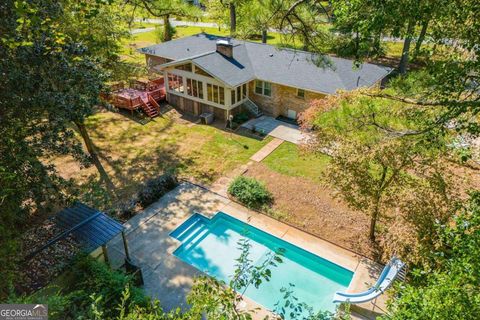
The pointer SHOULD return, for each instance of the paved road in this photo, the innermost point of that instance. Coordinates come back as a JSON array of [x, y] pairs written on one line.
[[176, 23]]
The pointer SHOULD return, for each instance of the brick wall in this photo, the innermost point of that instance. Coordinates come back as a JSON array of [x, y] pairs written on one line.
[[282, 99]]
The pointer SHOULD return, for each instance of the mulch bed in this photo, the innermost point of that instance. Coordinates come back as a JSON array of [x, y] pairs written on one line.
[[49, 263], [311, 207]]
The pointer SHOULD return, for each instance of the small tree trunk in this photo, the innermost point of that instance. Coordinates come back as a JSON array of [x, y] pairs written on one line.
[[376, 210], [357, 45], [93, 155], [420, 39], [402, 67], [377, 43], [166, 28], [264, 36], [373, 223], [233, 19]]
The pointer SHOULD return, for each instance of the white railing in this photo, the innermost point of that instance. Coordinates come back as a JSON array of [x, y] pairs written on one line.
[[251, 106]]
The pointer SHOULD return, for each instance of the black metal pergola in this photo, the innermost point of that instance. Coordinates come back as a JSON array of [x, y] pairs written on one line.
[[89, 227]]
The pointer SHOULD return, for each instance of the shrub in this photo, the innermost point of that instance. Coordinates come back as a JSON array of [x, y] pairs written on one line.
[[250, 192], [241, 117], [155, 188], [125, 209], [93, 276], [88, 283]]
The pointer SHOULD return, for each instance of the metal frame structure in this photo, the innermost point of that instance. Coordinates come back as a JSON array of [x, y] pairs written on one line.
[[90, 227]]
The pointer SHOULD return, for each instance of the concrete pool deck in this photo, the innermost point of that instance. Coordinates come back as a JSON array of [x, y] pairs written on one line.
[[169, 279]]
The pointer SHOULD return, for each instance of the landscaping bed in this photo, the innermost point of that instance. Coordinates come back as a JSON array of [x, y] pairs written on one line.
[[312, 208]]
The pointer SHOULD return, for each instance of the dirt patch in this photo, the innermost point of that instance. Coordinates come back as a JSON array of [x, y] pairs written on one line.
[[39, 270], [312, 208]]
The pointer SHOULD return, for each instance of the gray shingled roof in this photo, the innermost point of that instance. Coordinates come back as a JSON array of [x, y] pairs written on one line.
[[252, 60]]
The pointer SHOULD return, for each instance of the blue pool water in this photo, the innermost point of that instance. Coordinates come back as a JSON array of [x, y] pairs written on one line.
[[211, 245]]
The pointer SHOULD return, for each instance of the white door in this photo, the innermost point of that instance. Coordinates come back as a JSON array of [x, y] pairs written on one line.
[[292, 114]]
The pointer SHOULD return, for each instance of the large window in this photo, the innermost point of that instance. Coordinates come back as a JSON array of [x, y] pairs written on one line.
[[232, 93], [239, 93], [263, 88], [201, 72], [185, 67], [189, 87], [194, 88], [215, 93], [175, 83], [222, 95]]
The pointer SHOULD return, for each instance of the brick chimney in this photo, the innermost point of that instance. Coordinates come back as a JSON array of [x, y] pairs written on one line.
[[225, 47]]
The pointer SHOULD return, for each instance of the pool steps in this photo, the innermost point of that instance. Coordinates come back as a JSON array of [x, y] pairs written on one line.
[[184, 229]]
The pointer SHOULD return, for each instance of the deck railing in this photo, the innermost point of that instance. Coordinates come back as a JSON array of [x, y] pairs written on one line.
[[154, 89]]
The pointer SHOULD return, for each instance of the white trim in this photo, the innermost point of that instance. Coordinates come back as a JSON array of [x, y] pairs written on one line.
[[263, 88], [213, 104], [202, 79], [304, 94]]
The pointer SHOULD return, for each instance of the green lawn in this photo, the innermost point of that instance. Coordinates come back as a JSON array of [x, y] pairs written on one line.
[[132, 152], [288, 159]]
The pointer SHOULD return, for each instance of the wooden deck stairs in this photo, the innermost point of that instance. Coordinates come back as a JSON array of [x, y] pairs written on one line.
[[150, 107]]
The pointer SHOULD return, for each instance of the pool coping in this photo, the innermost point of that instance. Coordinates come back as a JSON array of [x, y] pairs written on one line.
[[365, 271], [220, 213], [169, 278]]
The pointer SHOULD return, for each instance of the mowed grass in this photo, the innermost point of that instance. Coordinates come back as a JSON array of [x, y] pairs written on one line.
[[132, 152], [290, 160]]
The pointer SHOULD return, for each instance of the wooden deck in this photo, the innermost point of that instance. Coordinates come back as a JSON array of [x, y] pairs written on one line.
[[141, 94]]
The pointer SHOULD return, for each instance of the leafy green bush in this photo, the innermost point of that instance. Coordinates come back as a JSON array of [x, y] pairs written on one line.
[[89, 286], [250, 192], [155, 188], [241, 117], [344, 46], [124, 210], [95, 277]]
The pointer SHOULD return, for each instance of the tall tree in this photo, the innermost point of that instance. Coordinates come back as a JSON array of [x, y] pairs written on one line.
[[165, 9], [50, 83], [447, 288], [225, 13], [369, 168], [369, 23], [102, 32], [257, 17]]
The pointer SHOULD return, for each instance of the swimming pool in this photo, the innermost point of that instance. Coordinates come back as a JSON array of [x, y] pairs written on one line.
[[211, 245]]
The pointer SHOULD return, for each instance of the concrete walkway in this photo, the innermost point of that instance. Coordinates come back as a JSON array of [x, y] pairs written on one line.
[[220, 186], [169, 279], [278, 129], [266, 150]]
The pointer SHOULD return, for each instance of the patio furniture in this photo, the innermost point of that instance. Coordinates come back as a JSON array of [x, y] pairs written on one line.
[[391, 271]]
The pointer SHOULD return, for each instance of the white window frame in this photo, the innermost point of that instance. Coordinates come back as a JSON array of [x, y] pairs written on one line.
[[263, 88], [299, 96]]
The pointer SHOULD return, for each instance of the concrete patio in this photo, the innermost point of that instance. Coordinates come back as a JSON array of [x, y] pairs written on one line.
[[169, 279], [278, 129]]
